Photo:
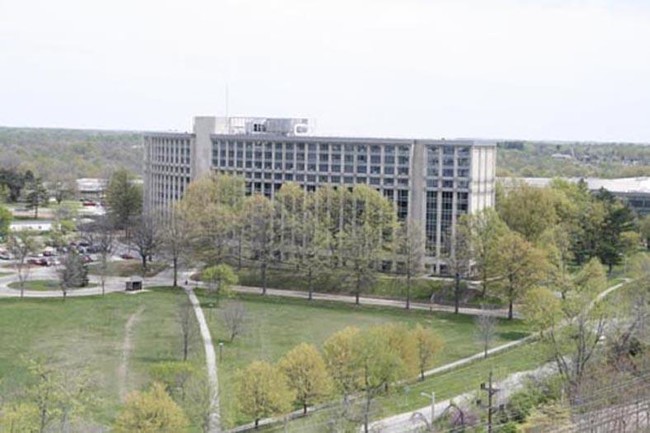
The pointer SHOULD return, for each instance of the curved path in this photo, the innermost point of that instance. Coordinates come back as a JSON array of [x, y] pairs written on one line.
[[127, 348]]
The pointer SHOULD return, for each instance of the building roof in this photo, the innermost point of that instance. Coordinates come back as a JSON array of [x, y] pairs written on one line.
[[625, 185]]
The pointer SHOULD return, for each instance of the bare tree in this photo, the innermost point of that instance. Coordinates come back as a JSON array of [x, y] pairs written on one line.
[[100, 236], [234, 317], [72, 272], [146, 239], [486, 325], [176, 241], [20, 245], [457, 252], [185, 317], [410, 254]]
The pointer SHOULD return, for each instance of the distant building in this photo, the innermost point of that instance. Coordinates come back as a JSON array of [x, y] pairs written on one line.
[[91, 188], [431, 181], [633, 190]]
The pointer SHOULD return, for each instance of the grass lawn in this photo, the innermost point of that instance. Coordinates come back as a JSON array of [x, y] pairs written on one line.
[[275, 325], [43, 285], [127, 268], [88, 333]]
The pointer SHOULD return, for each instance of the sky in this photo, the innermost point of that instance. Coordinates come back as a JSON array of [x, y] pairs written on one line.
[[515, 69]]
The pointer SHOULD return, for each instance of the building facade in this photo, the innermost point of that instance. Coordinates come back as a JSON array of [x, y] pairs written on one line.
[[432, 182]]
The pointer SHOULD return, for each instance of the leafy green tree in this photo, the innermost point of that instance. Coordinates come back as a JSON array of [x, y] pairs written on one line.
[[211, 210], [176, 241], [378, 365], [307, 375], [428, 344], [5, 222], [483, 230], [72, 272], [219, 280], [14, 182], [521, 266], [19, 418], [262, 391], [366, 236], [541, 308], [175, 376], [37, 196], [259, 232], [151, 411], [528, 210], [339, 353], [619, 219], [123, 199]]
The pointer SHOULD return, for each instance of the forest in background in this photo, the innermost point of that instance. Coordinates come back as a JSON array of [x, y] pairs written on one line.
[[545, 159], [77, 153], [53, 153]]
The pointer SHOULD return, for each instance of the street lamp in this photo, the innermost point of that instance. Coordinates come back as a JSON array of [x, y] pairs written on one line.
[[220, 351], [432, 396]]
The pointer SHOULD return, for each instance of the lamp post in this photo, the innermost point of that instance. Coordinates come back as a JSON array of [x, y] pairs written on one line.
[[432, 396], [220, 351]]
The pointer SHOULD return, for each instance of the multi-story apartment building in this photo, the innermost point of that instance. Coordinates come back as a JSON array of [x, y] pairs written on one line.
[[432, 182]]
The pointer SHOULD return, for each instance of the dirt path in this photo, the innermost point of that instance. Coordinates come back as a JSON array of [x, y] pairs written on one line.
[[127, 348]]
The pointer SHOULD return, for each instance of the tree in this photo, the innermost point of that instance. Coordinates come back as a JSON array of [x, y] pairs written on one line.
[[458, 258], [211, 208], [185, 317], [339, 352], [14, 181], [304, 236], [262, 391], [37, 196], [541, 308], [176, 241], [5, 222], [72, 272], [20, 418], [556, 244], [234, 319], [60, 397], [151, 411], [484, 230], [259, 232], [528, 211], [123, 199], [63, 187], [146, 239], [619, 219], [428, 344], [306, 374], [20, 245], [219, 280], [574, 340], [521, 267], [378, 365], [368, 224], [644, 229], [175, 376], [485, 330], [410, 254], [100, 236]]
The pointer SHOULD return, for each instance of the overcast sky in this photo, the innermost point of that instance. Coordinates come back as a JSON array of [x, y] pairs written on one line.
[[562, 69]]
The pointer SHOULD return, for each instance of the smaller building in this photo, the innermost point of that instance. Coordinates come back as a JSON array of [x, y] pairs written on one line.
[[633, 190]]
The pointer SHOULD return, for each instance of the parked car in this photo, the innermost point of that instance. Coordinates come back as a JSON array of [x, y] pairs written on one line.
[[4, 255], [127, 256], [38, 261]]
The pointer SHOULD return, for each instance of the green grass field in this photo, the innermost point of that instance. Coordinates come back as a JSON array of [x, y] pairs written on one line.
[[42, 285], [127, 268], [275, 325], [88, 334]]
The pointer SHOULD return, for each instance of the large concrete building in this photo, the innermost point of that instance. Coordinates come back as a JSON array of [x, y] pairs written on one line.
[[432, 182]]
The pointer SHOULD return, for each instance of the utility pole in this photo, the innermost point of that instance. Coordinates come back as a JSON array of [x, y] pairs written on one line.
[[490, 408]]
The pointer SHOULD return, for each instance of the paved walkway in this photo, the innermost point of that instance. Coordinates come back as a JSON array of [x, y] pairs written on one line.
[[214, 425]]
